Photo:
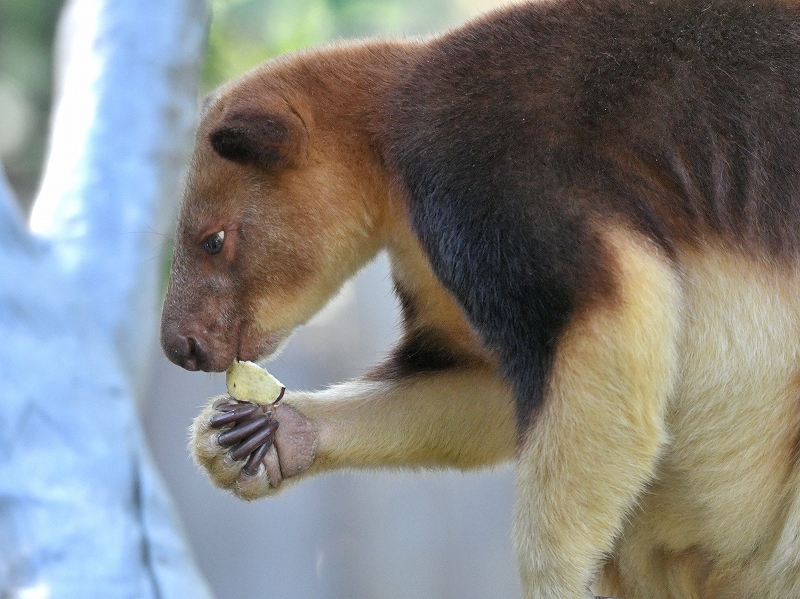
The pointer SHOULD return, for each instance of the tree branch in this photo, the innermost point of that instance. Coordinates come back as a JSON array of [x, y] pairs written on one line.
[[126, 96], [83, 512]]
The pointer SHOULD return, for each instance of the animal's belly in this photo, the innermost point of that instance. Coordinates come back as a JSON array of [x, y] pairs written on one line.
[[727, 483]]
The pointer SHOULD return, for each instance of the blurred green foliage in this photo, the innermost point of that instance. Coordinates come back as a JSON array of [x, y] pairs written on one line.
[[242, 33], [26, 42]]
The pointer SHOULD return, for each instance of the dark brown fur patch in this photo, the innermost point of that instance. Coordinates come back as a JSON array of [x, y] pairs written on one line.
[[514, 134], [422, 348], [419, 352], [252, 138]]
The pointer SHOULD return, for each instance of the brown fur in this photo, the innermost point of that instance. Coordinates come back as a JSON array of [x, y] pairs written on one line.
[[592, 212]]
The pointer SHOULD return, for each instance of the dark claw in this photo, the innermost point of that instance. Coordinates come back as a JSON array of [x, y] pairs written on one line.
[[233, 415], [251, 467], [226, 404], [242, 431], [280, 396], [251, 444]]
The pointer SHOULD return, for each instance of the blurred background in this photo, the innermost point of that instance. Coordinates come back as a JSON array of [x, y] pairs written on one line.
[[344, 536]]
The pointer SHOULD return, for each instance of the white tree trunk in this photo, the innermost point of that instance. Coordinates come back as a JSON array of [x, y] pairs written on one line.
[[82, 511]]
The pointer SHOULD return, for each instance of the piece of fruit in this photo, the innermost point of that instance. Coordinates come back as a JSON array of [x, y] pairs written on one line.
[[247, 381]]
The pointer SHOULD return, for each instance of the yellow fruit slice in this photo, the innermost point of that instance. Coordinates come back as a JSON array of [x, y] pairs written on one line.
[[247, 381]]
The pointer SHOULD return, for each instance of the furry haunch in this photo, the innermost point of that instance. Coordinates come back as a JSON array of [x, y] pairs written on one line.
[[592, 213]]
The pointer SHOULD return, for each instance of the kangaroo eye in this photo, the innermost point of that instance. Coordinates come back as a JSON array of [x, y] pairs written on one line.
[[213, 243]]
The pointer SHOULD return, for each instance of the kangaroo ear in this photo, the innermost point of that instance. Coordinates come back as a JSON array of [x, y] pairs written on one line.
[[269, 140]]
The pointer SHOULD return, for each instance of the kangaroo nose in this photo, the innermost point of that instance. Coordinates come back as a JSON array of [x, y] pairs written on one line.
[[184, 350]]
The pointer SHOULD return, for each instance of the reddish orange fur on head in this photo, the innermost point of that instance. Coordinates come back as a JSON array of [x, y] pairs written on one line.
[[298, 198]]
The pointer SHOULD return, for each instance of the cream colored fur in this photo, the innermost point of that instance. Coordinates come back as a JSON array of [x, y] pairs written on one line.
[[462, 419], [595, 445], [722, 519]]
